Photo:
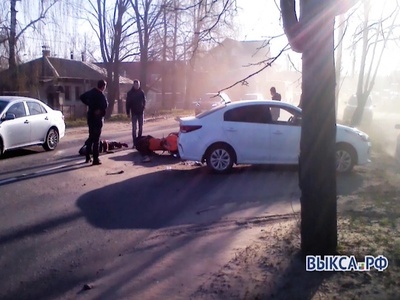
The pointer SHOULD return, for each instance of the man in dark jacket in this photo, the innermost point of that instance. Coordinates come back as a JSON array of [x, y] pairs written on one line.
[[135, 105], [275, 96], [97, 104]]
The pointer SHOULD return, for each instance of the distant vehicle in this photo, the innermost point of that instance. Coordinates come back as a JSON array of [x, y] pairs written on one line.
[[253, 96], [351, 106], [244, 132], [209, 101], [27, 122]]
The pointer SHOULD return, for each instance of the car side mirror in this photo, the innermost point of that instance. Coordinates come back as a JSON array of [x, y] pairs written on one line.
[[397, 126]]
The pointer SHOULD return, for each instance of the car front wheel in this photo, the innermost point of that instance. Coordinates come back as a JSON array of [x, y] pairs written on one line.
[[220, 158], [52, 139], [345, 159]]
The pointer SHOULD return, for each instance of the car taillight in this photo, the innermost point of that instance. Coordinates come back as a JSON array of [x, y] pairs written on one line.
[[189, 128]]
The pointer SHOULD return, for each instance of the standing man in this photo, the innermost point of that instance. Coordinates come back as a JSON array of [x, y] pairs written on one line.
[[135, 105], [97, 104], [274, 94], [275, 112]]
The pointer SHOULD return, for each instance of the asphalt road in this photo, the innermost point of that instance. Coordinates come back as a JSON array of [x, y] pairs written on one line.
[[127, 229]]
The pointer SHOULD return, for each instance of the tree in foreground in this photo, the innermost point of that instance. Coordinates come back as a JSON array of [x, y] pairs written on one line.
[[313, 35]]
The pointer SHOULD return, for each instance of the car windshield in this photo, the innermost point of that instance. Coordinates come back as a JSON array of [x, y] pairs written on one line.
[[3, 104]]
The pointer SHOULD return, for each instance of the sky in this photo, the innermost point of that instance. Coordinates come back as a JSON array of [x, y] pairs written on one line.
[[258, 20]]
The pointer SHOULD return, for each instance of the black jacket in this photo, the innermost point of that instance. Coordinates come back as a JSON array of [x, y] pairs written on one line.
[[135, 102], [96, 101]]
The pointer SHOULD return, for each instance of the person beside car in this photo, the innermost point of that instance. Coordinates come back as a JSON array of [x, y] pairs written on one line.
[[275, 96]]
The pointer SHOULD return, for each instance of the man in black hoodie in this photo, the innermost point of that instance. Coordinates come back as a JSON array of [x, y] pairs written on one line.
[[97, 104], [135, 105]]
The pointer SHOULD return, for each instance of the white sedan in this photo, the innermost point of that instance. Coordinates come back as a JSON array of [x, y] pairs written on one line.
[[26, 122], [244, 132]]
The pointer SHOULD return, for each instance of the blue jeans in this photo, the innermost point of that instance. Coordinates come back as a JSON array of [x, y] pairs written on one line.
[[137, 126]]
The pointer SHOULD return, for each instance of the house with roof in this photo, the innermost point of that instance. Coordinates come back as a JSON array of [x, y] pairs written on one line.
[[58, 82]]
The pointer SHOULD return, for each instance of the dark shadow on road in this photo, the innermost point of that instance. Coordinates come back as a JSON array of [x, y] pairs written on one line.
[[153, 200]]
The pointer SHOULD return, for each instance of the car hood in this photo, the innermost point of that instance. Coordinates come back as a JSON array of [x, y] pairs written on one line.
[[351, 130]]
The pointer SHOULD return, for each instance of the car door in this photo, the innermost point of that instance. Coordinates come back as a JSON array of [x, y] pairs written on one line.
[[16, 131], [246, 128], [39, 120], [285, 137]]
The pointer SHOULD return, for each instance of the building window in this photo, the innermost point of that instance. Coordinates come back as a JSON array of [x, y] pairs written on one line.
[[67, 93], [77, 92]]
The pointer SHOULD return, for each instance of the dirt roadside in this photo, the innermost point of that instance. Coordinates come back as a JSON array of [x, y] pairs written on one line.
[[368, 224]]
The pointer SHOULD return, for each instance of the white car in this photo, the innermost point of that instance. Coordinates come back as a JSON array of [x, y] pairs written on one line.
[[26, 122], [243, 132]]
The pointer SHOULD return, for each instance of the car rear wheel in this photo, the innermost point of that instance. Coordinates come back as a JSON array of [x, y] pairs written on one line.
[[52, 139], [345, 158], [220, 158]]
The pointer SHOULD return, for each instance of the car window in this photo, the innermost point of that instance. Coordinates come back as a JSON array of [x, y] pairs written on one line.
[[284, 116], [35, 108], [18, 109], [249, 114]]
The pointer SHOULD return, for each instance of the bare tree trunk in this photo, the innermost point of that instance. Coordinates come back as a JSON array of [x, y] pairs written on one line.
[[12, 43], [318, 136], [174, 57], [12, 61], [313, 36], [165, 103]]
